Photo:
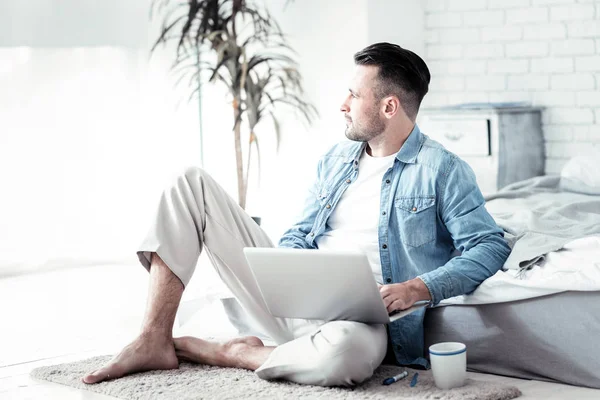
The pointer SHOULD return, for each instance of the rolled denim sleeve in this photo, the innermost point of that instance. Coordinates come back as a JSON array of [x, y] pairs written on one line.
[[474, 233], [295, 237]]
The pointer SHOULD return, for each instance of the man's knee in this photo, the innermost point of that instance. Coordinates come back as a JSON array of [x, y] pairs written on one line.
[[351, 352], [339, 353], [193, 172]]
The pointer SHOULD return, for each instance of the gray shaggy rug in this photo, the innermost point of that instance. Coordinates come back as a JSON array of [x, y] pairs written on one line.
[[192, 381]]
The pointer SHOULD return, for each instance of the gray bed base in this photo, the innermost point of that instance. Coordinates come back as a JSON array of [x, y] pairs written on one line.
[[552, 338]]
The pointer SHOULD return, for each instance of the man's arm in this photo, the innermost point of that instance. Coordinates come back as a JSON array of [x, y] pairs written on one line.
[[295, 237], [474, 233]]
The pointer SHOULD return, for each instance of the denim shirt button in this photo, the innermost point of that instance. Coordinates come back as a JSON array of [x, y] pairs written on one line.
[[384, 246], [383, 213], [328, 206], [388, 280], [398, 347], [348, 181], [387, 181]]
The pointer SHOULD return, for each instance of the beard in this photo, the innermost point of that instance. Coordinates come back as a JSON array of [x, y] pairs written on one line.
[[363, 131]]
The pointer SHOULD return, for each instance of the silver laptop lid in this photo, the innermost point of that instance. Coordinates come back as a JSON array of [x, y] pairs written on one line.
[[317, 284]]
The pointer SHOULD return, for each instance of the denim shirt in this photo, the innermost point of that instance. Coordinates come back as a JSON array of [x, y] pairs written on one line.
[[430, 206]]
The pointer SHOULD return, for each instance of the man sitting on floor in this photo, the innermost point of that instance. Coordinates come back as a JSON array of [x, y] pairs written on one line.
[[390, 191]]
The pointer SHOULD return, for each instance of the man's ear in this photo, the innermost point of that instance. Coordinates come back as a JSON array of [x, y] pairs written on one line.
[[391, 106]]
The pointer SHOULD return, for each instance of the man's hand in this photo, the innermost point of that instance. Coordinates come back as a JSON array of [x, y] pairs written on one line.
[[400, 296]]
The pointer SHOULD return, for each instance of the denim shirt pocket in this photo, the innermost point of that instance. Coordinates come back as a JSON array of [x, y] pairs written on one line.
[[416, 219]]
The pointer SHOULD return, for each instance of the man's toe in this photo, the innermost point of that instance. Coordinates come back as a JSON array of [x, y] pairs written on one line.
[[93, 377], [100, 375]]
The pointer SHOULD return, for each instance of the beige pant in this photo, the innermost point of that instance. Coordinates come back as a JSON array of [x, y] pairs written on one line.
[[197, 212]]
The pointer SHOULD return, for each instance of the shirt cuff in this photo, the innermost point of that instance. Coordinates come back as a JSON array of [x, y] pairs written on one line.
[[439, 284]]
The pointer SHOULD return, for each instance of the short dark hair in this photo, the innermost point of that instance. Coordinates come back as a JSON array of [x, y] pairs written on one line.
[[401, 73]]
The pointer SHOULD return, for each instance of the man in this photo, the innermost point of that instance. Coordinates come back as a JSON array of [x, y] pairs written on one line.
[[390, 191]]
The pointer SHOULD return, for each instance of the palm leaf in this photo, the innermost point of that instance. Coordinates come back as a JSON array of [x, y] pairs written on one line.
[[277, 127]]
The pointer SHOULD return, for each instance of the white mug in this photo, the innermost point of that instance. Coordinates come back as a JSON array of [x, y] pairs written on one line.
[[448, 364]]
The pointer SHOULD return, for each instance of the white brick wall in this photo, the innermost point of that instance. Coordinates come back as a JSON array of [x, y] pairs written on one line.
[[581, 81], [546, 31], [527, 15], [543, 51]]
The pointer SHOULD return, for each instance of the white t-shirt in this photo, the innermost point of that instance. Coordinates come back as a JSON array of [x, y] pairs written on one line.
[[354, 222]]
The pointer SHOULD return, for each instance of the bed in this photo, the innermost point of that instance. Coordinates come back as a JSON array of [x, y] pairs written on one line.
[[550, 338], [538, 318]]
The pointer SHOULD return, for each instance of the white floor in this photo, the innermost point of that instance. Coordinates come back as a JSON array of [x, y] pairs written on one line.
[[71, 314]]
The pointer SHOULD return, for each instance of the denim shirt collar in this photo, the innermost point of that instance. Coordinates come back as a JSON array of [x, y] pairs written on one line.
[[407, 154], [411, 147]]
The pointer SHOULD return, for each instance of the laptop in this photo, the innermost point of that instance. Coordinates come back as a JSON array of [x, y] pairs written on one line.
[[326, 285]]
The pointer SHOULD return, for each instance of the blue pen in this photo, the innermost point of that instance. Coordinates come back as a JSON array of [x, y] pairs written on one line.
[[413, 382], [395, 379]]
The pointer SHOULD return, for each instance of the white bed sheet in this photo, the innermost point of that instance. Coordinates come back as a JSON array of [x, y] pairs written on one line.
[[574, 267]]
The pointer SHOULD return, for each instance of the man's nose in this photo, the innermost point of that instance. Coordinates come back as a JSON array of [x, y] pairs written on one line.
[[345, 108]]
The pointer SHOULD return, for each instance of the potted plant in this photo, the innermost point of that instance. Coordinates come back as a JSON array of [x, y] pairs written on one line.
[[237, 43]]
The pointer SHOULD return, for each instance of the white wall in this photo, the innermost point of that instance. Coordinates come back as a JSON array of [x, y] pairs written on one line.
[[73, 23], [546, 52], [89, 132], [399, 21]]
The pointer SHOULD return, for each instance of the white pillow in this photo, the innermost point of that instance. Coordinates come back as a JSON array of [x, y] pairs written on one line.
[[582, 174]]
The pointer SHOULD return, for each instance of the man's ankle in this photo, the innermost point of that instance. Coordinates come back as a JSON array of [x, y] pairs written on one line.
[[155, 333]]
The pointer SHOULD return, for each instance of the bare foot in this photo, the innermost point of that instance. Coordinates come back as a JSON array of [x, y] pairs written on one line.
[[145, 353], [248, 352]]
